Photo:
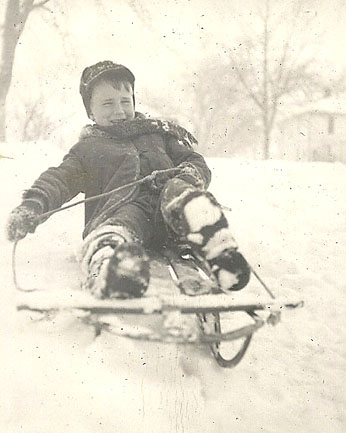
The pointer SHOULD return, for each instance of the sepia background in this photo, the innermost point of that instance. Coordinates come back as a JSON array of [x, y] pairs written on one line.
[[262, 85]]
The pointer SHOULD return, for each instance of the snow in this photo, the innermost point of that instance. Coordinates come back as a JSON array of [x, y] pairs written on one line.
[[197, 219], [221, 240], [289, 220]]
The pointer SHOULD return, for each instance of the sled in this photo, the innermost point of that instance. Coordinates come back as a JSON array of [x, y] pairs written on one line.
[[183, 296]]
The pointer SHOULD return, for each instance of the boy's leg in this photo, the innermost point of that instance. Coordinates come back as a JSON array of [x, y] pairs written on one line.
[[197, 217], [113, 258]]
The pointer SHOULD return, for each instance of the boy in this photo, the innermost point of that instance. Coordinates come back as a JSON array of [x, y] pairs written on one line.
[[123, 146]]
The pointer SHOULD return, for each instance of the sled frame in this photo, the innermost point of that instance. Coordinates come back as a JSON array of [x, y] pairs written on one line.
[[206, 308], [245, 333]]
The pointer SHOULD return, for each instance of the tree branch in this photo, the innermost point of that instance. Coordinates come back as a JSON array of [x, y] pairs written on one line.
[[246, 86], [243, 81], [39, 5], [283, 59]]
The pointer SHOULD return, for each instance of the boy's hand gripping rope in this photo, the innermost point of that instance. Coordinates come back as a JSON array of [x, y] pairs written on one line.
[[147, 179]]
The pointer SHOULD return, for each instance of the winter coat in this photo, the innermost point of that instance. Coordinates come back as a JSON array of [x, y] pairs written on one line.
[[101, 162]]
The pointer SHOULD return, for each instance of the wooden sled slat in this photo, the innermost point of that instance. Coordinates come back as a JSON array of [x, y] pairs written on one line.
[[179, 289], [152, 305]]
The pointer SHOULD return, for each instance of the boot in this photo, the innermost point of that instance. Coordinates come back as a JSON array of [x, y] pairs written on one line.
[[128, 272], [114, 265], [196, 216]]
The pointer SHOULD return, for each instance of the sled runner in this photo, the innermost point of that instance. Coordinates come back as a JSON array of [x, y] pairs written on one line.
[[184, 300]]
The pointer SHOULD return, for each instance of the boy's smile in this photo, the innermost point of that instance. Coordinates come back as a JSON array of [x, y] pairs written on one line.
[[109, 105]]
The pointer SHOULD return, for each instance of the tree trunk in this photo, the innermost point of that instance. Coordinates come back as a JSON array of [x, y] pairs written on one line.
[[266, 140], [265, 84], [15, 19]]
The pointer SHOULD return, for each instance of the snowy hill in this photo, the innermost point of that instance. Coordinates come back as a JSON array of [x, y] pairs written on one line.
[[289, 219]]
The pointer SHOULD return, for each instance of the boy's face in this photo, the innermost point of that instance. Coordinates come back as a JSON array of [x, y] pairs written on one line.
[[109, 105]]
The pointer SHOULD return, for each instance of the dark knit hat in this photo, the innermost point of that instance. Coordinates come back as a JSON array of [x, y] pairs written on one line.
[[107, 69]]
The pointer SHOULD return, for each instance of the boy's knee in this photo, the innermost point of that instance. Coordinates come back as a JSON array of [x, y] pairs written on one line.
[[184, 207], [174, 187], [104, 238], [174, 191]]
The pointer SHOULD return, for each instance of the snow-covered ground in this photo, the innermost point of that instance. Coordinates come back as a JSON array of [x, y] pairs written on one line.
[[289, 219]]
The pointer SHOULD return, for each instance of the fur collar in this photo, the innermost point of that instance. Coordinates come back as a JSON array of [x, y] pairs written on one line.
[[140, 125]]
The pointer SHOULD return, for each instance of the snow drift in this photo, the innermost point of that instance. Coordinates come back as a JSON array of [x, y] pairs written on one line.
[[57, 377]]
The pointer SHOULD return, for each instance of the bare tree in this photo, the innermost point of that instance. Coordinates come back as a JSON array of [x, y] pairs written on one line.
[[222, 113], [34, 118], [270, 72], [16, 16]]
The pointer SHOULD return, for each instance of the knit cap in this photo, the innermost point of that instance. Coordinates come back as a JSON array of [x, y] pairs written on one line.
[[106, 69]]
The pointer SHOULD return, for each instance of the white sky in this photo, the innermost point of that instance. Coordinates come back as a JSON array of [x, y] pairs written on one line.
[[189, 28]]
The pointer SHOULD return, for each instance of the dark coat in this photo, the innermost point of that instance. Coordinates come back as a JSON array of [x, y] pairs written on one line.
[[99, 163]]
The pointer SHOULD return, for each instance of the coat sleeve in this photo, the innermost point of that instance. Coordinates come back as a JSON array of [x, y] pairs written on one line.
[[187, 157], [58, 185]]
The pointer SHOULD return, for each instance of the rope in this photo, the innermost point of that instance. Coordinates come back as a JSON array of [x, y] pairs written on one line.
[[14, 271], [150, 178], [271, 294]]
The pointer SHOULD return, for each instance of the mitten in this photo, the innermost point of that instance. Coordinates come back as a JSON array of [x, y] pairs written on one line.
[[190, 174], [186, 172], [23, 220]]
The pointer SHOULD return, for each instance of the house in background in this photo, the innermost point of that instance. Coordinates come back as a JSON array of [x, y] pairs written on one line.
[[313, 133]]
